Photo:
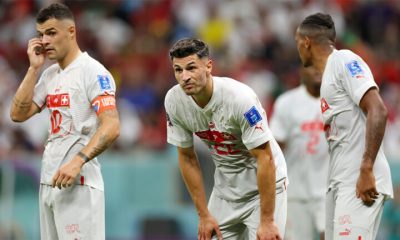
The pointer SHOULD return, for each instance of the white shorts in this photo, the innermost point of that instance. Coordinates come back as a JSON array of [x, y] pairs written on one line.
[[240, 220], [305, 219], [348, 218], [72, 213]]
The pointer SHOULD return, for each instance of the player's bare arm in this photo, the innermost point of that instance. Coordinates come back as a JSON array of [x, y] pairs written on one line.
[[106, 134], [22, 106], [191, 173], [376, 112], [267, 229]]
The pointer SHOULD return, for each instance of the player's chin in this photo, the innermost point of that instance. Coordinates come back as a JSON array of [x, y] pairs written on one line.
[[189, 92]]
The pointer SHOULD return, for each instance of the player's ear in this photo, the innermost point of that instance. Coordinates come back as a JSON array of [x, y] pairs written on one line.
[[209, 65], [71, 31], [307, 42]]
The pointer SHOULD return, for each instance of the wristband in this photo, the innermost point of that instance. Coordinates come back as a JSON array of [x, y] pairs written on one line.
[[83, 156]]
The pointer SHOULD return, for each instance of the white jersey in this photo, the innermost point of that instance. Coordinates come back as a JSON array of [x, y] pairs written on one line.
[[345, 81], [297, 121], [230, 124], [68, 94]]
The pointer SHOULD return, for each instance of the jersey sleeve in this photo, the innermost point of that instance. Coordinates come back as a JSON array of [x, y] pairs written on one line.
[[252, 120], [177, 134], [100, 89], [357, 78], [279, 121], [40, 93], [100, 83]]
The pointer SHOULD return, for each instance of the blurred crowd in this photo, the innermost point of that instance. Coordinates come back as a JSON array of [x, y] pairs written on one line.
[[251, 41]]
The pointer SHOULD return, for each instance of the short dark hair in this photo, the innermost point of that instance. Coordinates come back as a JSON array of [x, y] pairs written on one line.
[[319, 26], [189, 46], [58, 11]]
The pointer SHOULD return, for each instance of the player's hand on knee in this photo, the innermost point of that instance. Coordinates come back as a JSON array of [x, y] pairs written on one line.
[[208, 227]]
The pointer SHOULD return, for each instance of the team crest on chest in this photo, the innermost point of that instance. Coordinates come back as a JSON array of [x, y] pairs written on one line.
[[57, 100]]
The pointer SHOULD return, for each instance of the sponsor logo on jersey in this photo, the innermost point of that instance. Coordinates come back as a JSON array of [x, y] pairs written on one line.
[[253, 116], [345, 232], [104, 81], [57, 100], [355, 69], [324, 105]]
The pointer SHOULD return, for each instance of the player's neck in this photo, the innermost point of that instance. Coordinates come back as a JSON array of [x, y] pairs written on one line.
[[313, 90], [69, 57], [204, 96], [322, 57]]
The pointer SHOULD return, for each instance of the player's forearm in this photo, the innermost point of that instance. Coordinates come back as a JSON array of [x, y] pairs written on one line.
[[106, 134], [23, 98], [191, 173], [375, 129], [266, 186]]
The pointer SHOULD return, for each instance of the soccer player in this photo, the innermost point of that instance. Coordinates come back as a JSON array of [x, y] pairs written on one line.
[[79, 94], [248, 200], [296, 124], [354, 118]]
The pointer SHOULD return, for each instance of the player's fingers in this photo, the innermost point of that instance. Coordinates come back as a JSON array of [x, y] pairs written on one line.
[[218, 232], [55, 178], [357, 193], [65, 182], [373, 195], [59, 180], [368, 200], [375, 191], [70, 182]]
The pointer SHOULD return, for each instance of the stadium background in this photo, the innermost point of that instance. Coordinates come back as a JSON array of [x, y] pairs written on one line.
[[250, 40]]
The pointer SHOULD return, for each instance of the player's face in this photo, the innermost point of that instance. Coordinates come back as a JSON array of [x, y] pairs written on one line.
[[56, 37], [304, 48], [192, 73]]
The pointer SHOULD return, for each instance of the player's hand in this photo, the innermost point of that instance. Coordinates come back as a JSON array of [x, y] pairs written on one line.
[[65, 176], [36, 53], [365, 188], [207, 227], [268, 231]]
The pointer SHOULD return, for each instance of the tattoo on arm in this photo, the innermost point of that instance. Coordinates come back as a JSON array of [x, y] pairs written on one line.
[[105, 139], [102, 145]]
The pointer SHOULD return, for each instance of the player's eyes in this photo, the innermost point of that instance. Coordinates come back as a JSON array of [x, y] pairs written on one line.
[[178, 70]]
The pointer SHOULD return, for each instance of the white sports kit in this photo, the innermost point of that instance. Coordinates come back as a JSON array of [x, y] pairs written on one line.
[[72, 96], [297, 122], [230, 124], [345, 81]]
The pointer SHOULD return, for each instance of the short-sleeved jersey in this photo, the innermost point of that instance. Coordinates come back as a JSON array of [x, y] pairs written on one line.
[[69, 96], [297, 121], [230, 124], [344, 82]]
